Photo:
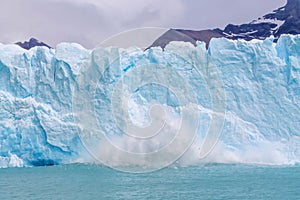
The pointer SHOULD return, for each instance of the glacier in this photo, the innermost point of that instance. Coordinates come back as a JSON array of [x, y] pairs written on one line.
[[260, 80]]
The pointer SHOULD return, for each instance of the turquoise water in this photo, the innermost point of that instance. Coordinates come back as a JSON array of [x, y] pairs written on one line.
[[211, 181]]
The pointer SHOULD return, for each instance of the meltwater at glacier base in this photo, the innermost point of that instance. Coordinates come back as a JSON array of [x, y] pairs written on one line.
[[260, 81]]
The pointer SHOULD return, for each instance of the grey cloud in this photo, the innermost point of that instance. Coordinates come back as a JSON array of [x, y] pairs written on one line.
[[53, 22], [146, 15]]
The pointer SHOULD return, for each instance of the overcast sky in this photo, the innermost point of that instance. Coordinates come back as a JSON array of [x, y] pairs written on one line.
[[89, 22]]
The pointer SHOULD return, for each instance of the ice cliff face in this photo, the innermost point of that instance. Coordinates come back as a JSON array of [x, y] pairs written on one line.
[[36, 96], [260, 80]]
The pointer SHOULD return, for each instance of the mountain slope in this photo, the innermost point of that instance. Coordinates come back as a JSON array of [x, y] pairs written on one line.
[[284, 20]]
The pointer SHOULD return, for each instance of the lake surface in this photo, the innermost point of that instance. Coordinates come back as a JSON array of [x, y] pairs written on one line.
[[209, 181]]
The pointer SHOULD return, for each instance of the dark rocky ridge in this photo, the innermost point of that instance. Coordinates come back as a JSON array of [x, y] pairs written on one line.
[[284, 20], [31, 43]]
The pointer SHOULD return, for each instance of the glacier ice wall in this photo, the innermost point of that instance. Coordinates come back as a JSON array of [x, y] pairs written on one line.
[[260, 80], [36, 123]]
